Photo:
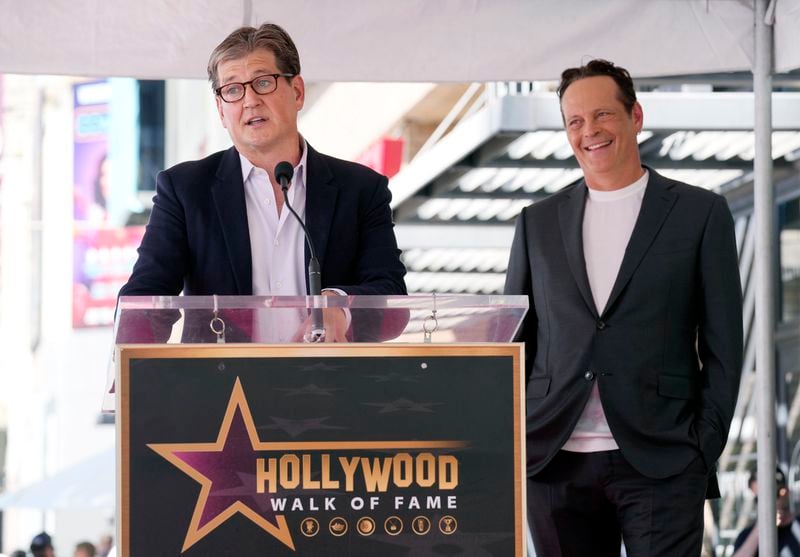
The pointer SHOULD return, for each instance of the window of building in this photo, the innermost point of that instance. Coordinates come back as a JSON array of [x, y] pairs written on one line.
[[789, 234]]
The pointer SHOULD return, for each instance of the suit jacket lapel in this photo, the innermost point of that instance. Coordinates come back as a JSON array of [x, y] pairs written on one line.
[[657, 203], [321, 194], [570, 217], [228, 194]]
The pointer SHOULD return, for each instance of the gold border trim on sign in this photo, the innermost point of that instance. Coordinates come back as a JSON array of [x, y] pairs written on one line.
[[127, 352]]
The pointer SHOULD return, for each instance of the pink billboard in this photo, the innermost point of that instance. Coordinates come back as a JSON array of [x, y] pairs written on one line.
[[103, 253]]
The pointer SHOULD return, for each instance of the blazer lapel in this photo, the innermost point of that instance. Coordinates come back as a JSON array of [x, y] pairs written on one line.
[[570, 217], [657, 203], [321, 194], [228, 194]]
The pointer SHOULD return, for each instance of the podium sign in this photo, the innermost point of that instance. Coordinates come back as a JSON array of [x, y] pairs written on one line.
[[352, 449]]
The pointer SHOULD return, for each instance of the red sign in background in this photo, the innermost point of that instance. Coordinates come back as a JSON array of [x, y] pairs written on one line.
[[103, 259], [384, 156]]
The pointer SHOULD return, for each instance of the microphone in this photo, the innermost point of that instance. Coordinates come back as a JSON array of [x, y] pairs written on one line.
[[283, 174]]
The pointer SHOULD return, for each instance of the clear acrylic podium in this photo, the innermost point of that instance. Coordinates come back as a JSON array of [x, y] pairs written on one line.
[[235, 438], [404, 319]]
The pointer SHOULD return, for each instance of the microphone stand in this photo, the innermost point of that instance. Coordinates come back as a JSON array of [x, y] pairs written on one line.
[[317, 333]]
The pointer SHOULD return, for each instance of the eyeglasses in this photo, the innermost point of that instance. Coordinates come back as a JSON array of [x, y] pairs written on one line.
[[262, 85]]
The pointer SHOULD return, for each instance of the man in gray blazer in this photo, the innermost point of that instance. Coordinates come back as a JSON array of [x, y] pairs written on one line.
[[633, 339]]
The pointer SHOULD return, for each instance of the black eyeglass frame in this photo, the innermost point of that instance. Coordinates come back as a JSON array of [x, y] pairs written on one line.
[[275, 76]]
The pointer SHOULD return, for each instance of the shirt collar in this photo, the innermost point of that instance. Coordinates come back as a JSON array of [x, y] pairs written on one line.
[[299, 170], [636, 187]]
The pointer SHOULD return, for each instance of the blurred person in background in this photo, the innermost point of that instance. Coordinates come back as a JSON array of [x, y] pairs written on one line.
[[85, 549], [42, 545], [105, 545], [788, 524], [98, 209]]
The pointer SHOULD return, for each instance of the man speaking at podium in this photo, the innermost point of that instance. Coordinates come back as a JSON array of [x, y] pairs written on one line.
[[219, 225], [634, 339]]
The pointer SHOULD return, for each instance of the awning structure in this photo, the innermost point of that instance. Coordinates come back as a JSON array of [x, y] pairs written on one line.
[[386, 40], [456, 202], [89, 484]]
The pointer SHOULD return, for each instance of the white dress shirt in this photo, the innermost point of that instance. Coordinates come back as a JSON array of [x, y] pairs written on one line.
[[608, 222], [276, 242], [277, 248]]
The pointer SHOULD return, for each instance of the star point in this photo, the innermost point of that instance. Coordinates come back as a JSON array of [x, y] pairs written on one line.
[[216, 467]]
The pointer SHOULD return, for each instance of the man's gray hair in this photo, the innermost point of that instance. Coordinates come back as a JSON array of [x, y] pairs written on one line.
[[247, 40]]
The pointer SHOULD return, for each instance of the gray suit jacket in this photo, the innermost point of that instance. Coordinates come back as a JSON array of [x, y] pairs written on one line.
[[666, 351]]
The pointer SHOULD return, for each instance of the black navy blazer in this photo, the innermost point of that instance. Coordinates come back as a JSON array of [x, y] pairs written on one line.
[[666, 351], [198, 242]]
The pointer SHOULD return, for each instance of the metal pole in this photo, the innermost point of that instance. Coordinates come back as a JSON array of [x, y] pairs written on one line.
[[764, 209]]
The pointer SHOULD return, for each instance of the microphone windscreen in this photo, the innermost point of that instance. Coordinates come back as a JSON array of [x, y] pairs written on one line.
[[284, 171]]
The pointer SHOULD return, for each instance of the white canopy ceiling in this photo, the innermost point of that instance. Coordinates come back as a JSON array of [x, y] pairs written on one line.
[[390, 40]]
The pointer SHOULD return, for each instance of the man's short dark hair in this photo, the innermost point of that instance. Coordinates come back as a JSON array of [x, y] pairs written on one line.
[[41, 542], [247, 40], [780, 478], [600, 67]]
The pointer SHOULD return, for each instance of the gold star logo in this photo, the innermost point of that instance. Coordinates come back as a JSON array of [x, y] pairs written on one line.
[[203, 462]]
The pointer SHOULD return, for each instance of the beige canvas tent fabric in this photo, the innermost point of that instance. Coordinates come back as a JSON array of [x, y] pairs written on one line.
[[386, 40]]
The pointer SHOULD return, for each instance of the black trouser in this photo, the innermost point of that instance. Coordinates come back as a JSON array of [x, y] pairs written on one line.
[[582, 504]]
